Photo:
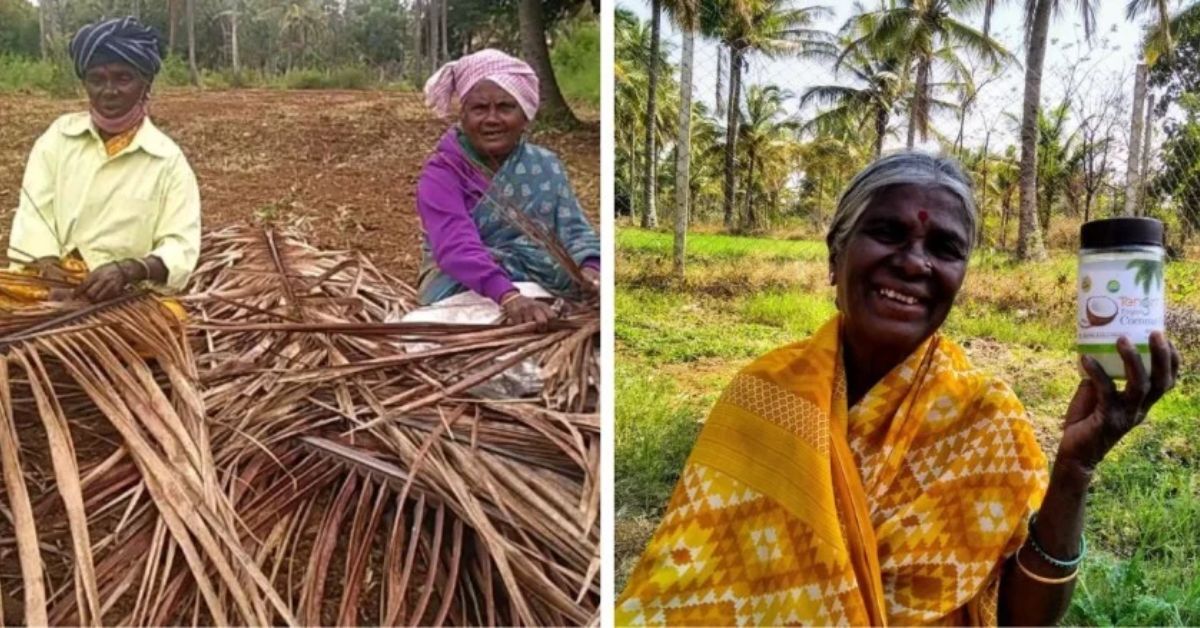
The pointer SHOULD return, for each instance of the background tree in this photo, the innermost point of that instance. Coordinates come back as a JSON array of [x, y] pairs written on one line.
[[649, 215], [772, 28], [684, 14], [1037, 30], [554, 107], [926, 31]]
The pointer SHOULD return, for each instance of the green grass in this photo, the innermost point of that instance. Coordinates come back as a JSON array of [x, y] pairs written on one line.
[[679, 343], [704, 248], [20, 74], [576, 61], [652, 445], [23, 74]]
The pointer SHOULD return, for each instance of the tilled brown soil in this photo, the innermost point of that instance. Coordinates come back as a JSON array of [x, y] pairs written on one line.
[[342, 165]]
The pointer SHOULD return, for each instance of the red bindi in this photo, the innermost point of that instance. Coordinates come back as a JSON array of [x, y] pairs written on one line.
[[923, 215]]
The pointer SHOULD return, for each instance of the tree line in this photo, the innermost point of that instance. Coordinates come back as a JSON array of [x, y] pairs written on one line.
[[398, 39], [896, 64]]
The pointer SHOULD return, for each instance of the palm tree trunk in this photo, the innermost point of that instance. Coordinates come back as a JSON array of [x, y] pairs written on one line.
[[983, 188], [554, 107], [649, 214], [445, 30], [172, 20], [881, 120], [237, 59], [731, 129], [1135, 142], [48, 23], [1029, 237], [749, 221], [42, 35], [918, 119], [1005, 206], [683, 152], [193, 71], [720, 77]]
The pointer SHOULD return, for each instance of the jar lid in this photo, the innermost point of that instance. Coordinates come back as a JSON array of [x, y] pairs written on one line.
[[1099, 234]]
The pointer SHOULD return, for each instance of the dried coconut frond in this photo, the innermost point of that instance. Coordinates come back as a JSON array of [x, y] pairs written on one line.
[[282, 459]]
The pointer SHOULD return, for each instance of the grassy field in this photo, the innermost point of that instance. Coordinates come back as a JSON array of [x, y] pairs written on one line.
[[678, 343]]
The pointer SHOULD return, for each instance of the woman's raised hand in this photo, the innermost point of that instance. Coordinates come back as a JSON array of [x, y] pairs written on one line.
[[1099, 415]]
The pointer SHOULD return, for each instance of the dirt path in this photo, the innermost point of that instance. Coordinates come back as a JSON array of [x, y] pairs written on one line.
[[343, 165]]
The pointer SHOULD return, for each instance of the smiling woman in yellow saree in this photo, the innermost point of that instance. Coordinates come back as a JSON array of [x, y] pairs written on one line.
[[870, 474]]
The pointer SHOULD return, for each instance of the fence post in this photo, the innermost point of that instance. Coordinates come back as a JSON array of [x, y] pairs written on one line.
[[1133, 163]]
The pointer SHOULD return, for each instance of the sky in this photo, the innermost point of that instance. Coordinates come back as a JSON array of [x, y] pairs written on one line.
[[1101, 68]]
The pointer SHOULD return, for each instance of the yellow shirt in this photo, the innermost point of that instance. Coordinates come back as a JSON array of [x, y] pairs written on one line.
[[142, 201]]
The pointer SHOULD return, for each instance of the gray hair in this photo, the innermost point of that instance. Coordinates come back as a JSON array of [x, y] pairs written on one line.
[[905, 168]]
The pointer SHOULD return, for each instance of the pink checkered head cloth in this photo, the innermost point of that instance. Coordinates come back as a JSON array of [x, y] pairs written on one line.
[[458, 77]]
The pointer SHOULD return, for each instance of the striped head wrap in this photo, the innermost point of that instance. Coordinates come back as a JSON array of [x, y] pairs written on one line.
[[122, 39], [458, 77]]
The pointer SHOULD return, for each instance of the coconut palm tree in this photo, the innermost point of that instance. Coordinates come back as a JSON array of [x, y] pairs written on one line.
[[630, 71], [928, 32], [772, 28], [1037, 29], [764, 134], [685, 14], [879, 87], [649, 215], [554, 107], [1160, 41], [1055, 147]]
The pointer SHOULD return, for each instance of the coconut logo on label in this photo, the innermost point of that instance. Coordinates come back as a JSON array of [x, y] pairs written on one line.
[[1100, 311]]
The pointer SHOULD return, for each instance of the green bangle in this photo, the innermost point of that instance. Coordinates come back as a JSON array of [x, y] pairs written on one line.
[[1061, 564]]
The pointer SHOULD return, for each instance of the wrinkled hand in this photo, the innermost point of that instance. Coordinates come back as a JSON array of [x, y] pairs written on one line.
[[50, 268], [1099, 415], [104, 283], [522, 309], [592, 275]]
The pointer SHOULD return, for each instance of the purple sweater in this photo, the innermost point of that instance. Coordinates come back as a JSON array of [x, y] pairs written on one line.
[[449, 188]]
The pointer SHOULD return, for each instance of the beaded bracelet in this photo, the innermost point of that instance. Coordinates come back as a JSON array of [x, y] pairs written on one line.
[[1061, 564]]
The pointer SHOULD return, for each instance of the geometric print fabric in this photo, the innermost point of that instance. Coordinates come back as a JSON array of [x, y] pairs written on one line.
[[949, 465]]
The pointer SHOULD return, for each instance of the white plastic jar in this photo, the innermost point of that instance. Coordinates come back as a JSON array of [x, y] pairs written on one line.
[[1121, 288]]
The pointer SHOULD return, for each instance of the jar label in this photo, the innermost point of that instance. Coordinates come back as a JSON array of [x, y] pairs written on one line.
[[1119, 298]]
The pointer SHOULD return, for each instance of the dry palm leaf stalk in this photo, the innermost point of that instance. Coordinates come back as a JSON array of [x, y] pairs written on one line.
[[283, 458]]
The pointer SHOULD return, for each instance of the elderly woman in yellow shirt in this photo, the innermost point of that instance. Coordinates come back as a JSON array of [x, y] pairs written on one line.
[[106, 187]]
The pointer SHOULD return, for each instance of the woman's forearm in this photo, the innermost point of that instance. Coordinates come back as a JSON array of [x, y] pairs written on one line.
[[1023, 600]]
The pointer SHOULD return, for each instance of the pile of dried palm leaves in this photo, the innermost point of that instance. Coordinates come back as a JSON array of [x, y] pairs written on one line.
[[282, 458]]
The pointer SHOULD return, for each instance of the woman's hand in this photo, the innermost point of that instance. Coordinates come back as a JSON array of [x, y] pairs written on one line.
[[522, 309], [50, 268], [592, 275], [1099, 415], [106, 282]]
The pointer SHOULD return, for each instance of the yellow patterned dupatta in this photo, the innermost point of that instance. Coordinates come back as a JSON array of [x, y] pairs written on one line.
[[794, 510]]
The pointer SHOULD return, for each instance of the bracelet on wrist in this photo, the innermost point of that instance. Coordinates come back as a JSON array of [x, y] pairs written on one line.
[[1043, 579], [145, 267], [1057, 562]]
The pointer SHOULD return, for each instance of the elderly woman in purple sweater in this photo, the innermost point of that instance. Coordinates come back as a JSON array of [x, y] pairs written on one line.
[[481, 172]]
